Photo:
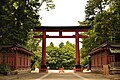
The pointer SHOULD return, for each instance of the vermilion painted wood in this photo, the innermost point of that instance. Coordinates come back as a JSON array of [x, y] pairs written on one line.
[[47, 36], [61, 29], [44, 48], [77, 48]]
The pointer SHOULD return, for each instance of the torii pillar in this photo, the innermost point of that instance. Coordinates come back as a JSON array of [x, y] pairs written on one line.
[[43, 63], [77, 50]]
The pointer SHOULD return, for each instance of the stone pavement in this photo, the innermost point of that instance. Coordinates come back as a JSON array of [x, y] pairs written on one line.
[[72, 76], [55, 75], [60, 76]]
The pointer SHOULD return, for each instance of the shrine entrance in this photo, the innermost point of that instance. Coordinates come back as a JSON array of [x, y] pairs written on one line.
[[61, 29]]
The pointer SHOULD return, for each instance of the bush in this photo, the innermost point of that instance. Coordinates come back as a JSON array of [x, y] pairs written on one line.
[[84, 62], [5, 69]]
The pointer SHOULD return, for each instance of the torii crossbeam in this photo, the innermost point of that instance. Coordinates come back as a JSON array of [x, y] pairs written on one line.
[[60, 29]]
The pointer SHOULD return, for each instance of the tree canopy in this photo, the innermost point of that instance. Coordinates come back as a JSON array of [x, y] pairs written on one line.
[[18, 17], [104, 16], [62, 56]]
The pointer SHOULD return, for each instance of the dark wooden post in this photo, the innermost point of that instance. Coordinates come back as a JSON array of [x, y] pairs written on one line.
[[60, 33], [43, 66], [77, 50], [89, 58]]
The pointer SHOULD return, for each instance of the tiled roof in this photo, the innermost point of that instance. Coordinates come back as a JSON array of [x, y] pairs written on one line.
[[17, 47], [101, 47]]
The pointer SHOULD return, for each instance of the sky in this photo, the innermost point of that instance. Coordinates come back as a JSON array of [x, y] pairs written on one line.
[[66, 13]]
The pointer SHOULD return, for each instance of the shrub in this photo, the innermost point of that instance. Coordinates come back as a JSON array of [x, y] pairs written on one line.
[[5, 69]]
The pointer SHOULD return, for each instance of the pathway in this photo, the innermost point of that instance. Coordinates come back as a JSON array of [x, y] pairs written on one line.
[[55, 75], [72, 76]]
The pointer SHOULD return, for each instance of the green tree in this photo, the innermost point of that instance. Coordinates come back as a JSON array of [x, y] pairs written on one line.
[[33, 44], [18, 17], [36, 58], [105, 25], [64, 56], [94, 7], [68, 55], [61, 45], [52, 55]]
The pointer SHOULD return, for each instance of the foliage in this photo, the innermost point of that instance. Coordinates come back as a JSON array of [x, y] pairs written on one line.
[[33, 45], [18, 17], [49, 5], [36, 58], [61, 45], [5, 69], [84, 61], [94, 7], [105, 24], [52, 55], [64, 56]]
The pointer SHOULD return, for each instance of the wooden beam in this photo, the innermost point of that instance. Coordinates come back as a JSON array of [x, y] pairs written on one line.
[[62, 27], [60, 36], [73, 36], [81, 30]]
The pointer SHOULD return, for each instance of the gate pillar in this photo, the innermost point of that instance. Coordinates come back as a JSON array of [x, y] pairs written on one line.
[[77, 50], [43, 64]]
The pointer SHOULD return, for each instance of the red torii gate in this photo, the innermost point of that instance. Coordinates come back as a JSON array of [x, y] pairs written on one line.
[[60, 29]]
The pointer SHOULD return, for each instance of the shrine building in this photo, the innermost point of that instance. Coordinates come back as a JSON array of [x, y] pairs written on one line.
[[17, 57], [106, 54]]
